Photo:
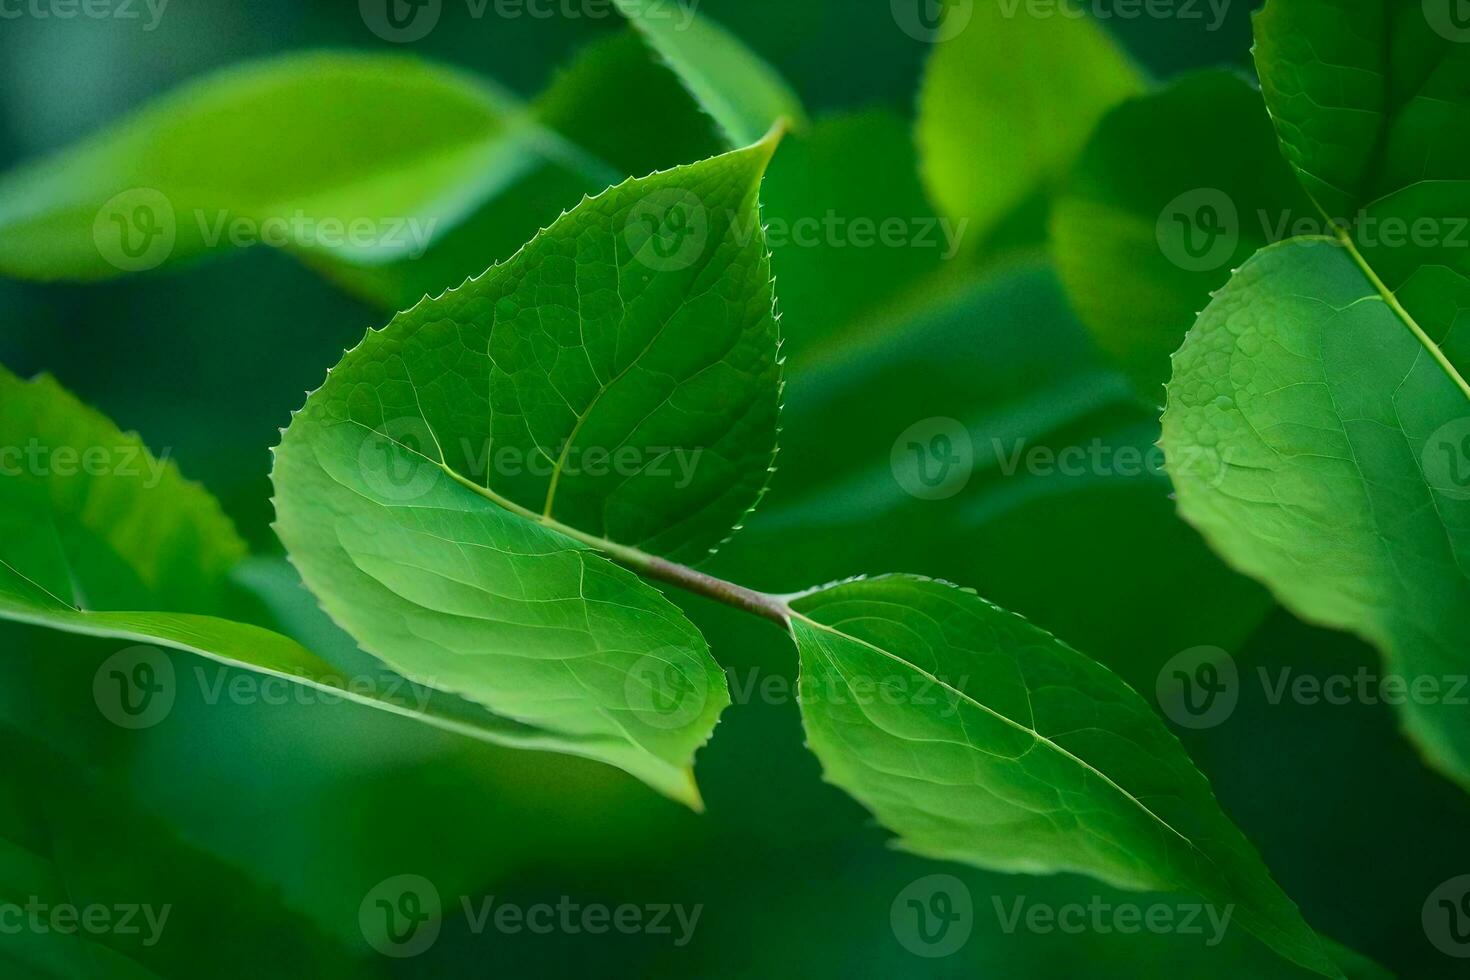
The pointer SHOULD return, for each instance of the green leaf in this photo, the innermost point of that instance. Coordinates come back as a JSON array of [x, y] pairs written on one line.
[[742, 93], [1008, 103], [1341, 477], [612, 387], [1325, 384], [98, 538], [979, 738], [1379, 132], [1367, 104], [1176, 189], [291, 152]]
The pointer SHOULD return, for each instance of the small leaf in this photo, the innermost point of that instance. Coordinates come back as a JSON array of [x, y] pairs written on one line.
[[977, 737], [1176, 189], [742, 93], [291, 152], [1008, 103], [614, 386]]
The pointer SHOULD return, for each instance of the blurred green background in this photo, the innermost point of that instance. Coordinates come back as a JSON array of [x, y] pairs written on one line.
[[266, 825]]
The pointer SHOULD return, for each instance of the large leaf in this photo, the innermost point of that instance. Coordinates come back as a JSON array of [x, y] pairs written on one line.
[[291, 152], [1176, 189], [614, 386], [742, 93], [1326, 381], [1342, 478], [978, 738], [1008, 103]]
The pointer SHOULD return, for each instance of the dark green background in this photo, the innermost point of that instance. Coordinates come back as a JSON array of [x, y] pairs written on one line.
[[315, 805]]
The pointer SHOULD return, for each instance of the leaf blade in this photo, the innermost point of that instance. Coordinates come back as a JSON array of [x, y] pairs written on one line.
[[1035, 760]]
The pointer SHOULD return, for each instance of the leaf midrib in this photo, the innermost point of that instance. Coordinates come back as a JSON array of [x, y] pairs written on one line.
[[1040, 738], [1392, 301]]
